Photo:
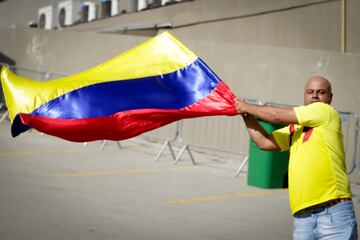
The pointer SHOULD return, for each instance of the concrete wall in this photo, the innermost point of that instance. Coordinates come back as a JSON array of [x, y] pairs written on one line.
[[20, 12], [314, 24], [353, 26]]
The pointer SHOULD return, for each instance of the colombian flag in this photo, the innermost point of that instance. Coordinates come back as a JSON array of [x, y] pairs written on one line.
[[156, 83]]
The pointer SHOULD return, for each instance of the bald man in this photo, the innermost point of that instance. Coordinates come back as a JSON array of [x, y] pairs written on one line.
[[319, 188]]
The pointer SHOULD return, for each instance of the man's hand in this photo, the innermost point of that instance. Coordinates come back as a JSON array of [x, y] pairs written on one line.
[[241, 105]]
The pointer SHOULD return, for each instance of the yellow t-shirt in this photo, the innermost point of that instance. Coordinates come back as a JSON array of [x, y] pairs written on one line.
[[317, 170]]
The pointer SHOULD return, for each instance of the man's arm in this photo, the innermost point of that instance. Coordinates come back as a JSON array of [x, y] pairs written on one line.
[[261, 138], [274, 115]]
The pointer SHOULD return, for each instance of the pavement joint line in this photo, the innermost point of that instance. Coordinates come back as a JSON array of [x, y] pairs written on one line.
[[224, 197], [47, 151], [125, 171]]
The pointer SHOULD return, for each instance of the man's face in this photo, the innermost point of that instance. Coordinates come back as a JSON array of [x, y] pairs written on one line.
[[317, 89]]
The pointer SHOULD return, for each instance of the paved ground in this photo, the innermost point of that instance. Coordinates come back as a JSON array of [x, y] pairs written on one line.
[[53, 189]]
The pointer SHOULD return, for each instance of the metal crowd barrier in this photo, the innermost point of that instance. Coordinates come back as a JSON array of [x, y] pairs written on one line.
[[351, 128], [177, 138], [36, 74]]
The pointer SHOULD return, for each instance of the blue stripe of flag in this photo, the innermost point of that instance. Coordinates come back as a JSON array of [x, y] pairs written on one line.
[[170, 91]]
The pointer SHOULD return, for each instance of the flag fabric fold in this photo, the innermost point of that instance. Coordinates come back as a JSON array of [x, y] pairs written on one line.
[[156, 83]]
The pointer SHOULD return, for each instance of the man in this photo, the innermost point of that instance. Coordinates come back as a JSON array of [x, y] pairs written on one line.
[[319, 188]]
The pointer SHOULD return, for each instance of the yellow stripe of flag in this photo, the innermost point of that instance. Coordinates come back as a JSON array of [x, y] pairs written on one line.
[[160, 55]]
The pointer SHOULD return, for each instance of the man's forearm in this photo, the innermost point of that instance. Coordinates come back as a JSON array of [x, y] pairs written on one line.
[[274, 115], [256, 131], [260, 137]]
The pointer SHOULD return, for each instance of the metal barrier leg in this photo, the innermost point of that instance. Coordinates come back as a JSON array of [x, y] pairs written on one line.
[[177, 138], [166, 144], [171, 151], [242, 166], [105, 142], [161, 150], [186, 147], [4, 116]]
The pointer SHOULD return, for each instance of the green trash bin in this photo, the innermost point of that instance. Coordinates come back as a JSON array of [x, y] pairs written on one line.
[[267, 169]]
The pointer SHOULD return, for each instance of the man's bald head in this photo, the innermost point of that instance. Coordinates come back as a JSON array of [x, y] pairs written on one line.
[[317, 89]]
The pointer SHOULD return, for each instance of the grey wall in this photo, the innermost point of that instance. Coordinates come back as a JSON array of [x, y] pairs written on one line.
[[20, 12], [353, 26], [314, 24], [316, 27]]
